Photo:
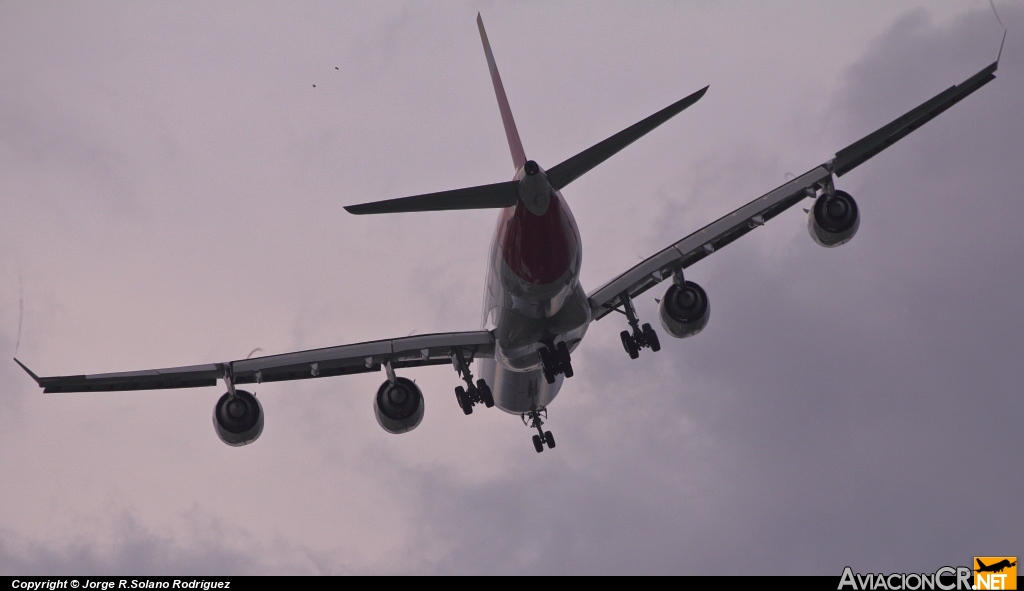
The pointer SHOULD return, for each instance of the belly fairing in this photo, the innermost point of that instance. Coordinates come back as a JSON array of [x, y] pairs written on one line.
[[533, 295], [517, 392]]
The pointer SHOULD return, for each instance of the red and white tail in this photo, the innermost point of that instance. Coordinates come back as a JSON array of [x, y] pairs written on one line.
[[507, 193], [515, 145]]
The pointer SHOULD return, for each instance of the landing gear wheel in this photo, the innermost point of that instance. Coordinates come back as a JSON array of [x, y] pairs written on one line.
[[651, 337], [534, 419], [562, 351], [464, 403], [547, 364], [629, 344], [485, 393]]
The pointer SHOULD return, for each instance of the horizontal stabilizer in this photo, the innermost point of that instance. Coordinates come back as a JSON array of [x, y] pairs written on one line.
[[858, 152], [575, 167], [497, 195]]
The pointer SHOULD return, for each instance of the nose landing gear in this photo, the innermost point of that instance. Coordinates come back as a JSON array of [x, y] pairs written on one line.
[[535, 420]]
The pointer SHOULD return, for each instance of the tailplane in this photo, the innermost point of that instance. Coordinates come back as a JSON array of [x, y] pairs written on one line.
[[507, 194]]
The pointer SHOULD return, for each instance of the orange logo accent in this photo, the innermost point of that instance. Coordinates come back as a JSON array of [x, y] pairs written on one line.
[[995, 572]]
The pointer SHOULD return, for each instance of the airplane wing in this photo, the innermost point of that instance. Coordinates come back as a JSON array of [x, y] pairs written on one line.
[[725, 230], [413, 351]]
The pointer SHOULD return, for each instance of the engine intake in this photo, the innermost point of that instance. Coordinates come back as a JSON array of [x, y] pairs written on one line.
[[398, 407], [238, 420], [684, 310], [833, 220]]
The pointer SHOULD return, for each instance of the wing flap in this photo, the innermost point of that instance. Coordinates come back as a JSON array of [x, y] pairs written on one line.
[[413, 351], [705, 241], [193, 376], [726, 229], [858, 152]]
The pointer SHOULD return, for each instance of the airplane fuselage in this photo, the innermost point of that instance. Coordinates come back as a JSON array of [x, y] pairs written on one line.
[[533, 294]]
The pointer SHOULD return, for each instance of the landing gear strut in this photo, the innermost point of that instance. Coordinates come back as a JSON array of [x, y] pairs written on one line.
[[641, 336], [555, 360], [472, 393], [535, 420]]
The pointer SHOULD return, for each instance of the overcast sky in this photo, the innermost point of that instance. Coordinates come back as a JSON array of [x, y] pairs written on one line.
[[172, 186]]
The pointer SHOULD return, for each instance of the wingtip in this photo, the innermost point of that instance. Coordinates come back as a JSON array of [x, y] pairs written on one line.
[[359, 208], [27, 370]]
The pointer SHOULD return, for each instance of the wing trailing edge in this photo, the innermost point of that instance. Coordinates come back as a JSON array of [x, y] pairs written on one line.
[[860, 151]]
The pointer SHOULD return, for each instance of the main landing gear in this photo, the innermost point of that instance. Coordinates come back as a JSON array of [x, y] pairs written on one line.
[[472, 394], [535, 420], [555, 360], [641, 336]]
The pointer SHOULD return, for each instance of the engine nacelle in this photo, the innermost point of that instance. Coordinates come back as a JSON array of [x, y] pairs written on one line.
[[833, 221], [239, 420], [398, 407], [684, 310]]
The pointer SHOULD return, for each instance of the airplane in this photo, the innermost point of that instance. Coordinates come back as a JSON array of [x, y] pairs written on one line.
[[994, 568], [535, 311]]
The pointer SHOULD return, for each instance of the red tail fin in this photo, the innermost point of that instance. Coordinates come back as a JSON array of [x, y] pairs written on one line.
[[511, 133]]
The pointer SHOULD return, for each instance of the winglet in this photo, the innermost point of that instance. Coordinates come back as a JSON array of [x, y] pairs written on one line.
[[28, 371], [515, 145]]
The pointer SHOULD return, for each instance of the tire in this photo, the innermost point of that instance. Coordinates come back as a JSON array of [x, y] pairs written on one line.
[[550, 439], [485, 393], [651, 336], [564, 359], [629, 344], [563, 352], [545, 358], [538, 444], [464, 404]]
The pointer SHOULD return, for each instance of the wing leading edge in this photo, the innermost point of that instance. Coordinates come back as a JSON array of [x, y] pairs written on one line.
[[730, 227], [371, 356]]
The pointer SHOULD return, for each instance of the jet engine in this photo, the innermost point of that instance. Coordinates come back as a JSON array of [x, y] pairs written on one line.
[[833, 220], [398, 407], [684, 310], [238, 420]]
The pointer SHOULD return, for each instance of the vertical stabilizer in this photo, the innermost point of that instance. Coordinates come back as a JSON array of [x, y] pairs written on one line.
[[511, 133]]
